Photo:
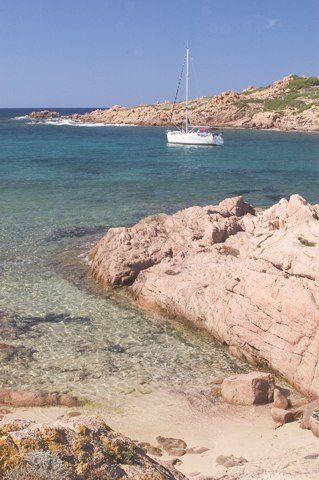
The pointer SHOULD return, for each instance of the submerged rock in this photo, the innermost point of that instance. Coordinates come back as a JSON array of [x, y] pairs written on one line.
[[250, 278], [76, 232], [26, 398], [18, 353], [13, 326]]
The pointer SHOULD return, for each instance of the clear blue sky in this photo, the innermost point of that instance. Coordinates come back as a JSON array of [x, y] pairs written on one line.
[[104, 52]]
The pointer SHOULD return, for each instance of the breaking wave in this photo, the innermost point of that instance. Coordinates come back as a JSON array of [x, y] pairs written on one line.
[[79, 124]]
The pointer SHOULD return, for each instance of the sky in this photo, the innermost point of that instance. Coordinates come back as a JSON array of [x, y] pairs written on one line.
[[99, 53]]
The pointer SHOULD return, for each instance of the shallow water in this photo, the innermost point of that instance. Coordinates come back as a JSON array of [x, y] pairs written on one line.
[[61, 187]]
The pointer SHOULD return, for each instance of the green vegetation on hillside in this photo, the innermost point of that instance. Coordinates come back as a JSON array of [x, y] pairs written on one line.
[[293, 97], [301, 94], [295, 93], [247, 102], [298, 83], [286, 100]]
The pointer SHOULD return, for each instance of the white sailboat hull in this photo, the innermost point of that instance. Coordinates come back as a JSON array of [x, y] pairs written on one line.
[[192, 134], [194, 138]]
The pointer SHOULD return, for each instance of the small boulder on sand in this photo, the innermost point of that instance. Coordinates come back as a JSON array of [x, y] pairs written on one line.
[[281, 416], [280, 400], [254, 388]]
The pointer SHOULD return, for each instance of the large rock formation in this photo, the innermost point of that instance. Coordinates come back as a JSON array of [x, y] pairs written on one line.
[[83, 448], [250, 279], [288, 104]]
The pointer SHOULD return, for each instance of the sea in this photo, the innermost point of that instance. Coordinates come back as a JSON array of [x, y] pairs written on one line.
[[61, 187]]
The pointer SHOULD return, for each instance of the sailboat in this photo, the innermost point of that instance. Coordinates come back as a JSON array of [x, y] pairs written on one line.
[[193, 135]]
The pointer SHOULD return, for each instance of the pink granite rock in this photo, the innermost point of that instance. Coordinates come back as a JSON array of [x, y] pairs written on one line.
[[25, 398], [250, 279], [82, 448], [254, 388], [280, 400], [282, 416], [314, 423], [230, 109], [307, 411]]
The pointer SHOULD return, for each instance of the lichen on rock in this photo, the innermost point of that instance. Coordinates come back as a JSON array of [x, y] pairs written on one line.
[[85, 447]]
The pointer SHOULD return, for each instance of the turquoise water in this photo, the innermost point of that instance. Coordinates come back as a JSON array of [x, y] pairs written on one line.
[[61, 187]]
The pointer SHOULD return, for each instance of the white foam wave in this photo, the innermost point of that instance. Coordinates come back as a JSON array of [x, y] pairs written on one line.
[[80, 124], [19, 118], [88, 124], [57, 122]]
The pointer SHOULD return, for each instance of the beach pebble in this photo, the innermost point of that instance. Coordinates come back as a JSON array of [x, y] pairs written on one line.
[[150, 449], [73, 414], [230, 460], [172, 446], [155, 451]]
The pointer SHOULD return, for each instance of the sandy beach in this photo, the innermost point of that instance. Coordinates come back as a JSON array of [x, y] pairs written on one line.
[[246, 435]]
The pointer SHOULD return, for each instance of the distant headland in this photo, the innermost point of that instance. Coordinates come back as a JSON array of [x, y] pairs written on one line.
[[288, 104]]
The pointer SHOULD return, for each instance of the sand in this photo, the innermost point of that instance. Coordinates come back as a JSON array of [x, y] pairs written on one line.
[[272, 453]]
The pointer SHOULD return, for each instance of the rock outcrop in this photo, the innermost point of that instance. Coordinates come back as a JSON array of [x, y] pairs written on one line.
[[83, 448], [288, 104], [44, 114], [250, 279]]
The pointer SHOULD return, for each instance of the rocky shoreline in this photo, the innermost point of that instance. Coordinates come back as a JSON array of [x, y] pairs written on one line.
[[243, 427], [250, 278], [290, 104]]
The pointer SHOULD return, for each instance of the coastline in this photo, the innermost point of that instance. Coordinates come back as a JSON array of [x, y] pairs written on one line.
[[245, 263], [266, 108], [67, 120]]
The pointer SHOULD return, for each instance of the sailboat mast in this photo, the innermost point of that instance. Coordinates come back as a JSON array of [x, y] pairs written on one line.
[[186, 93]]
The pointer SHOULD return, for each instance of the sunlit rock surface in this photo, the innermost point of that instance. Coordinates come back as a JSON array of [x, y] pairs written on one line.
[[249, 278]]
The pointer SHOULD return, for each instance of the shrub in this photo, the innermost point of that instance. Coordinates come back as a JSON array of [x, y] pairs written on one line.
[[280, 103], [40, 465], [303, 82]]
